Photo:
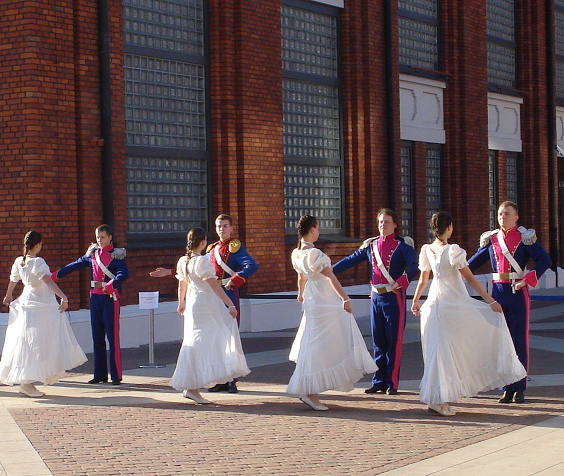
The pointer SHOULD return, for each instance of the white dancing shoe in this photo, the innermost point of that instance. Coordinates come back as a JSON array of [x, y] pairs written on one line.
[[191, 396], [442, 409], [29, 390], [305, 399]]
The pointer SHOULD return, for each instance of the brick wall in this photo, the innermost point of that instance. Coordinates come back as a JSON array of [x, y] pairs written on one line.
[[38, 142], [51, 152]]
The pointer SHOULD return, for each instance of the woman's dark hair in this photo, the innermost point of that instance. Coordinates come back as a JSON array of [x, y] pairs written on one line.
[[305, 224], [193, 239], [440, 221], [31, 239]]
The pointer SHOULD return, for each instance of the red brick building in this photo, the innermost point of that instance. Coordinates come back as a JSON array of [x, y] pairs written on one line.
[[157, 115]]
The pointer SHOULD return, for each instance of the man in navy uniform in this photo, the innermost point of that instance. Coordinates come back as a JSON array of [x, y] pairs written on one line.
[[108, 270], [233, 265], [509, 249], [393, 264]]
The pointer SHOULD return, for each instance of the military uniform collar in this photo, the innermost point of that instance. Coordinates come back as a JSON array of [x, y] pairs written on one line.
[[390, 237], [511, 231]]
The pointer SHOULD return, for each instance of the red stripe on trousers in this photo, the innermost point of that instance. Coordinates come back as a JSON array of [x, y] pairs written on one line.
[[399, 342], [117, 346]]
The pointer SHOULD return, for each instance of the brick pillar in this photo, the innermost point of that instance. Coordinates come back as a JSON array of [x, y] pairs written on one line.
[[465, 155], [532, 80], [37, 111], [364, 114], [247, 153]]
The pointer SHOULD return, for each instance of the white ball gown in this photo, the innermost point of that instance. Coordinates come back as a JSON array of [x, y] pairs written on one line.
[[211, 351], [329, 350], [40, 344], [467, 347]]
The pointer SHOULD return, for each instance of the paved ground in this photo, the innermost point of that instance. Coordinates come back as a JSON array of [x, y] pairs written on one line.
[[145, 427]]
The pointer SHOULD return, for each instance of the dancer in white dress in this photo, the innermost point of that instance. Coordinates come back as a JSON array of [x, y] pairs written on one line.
[[467, 347], [39, 345], [211, 351], [329, 350]]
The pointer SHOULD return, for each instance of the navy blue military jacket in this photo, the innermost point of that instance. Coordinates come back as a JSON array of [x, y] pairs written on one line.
[[112, 258], [400, 260]]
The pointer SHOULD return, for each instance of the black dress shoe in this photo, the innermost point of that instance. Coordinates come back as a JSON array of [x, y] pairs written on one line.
[[507, 397], [116, 382], [219, 387], [377, 388], [392, 391], [97, 380], [232, 387], [519, 397]]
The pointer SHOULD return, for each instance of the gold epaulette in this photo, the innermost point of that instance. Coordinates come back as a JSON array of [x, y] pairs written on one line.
[[234, 246], [210, 246]]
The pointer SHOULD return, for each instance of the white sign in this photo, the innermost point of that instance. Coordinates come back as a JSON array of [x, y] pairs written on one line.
[[149, 300]]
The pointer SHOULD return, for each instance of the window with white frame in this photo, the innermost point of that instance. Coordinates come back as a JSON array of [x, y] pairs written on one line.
[[166, 125], [433, 174], [418, 28], [313, 163], [502, 43], [406, 189]]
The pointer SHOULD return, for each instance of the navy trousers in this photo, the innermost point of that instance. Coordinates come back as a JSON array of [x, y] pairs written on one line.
[[516, 309], [105, 324], [388, 324]]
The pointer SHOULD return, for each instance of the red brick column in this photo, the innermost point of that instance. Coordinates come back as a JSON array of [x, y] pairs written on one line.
[[364, 114], [246, 95], [37, 112], [532, 80], [465, 154]]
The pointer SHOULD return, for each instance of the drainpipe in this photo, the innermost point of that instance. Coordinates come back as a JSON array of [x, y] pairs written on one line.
[[390, 107], [552, 168], [106, 113]]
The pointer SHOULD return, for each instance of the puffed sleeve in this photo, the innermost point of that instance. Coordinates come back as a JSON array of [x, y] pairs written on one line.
[[181, 269], [15, 275], [457, 257], [424, 264], [204, 269], [295, 265], [317, 261], [40, 268]]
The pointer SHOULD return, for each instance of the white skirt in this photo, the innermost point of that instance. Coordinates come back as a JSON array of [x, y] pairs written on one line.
[[40, 344]]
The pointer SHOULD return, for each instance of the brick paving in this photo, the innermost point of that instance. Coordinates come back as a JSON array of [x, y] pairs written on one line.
[[145, 427], [251, 434]]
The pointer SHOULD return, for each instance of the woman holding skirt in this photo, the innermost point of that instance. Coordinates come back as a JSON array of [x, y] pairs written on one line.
[[329, 350]]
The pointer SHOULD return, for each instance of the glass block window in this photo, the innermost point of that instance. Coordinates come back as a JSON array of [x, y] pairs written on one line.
[[312, 116], [559, 48], [406, 189], [501, 43], [512, 177], [311, 120], [164, 103], [164, 194], [170, 25], [309, 42], [492, 188], [418, 25], [316, 188], [433, 182], [166, 108]]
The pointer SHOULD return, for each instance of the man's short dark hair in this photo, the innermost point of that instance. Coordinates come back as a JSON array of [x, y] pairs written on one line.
[[509, 203], [106, 228]]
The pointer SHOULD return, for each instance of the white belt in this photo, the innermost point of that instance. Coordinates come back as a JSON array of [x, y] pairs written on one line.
[[223, 282], [382, 289], [505, 276]]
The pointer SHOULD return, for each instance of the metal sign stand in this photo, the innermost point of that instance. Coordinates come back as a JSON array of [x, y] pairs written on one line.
[[150, 301]]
